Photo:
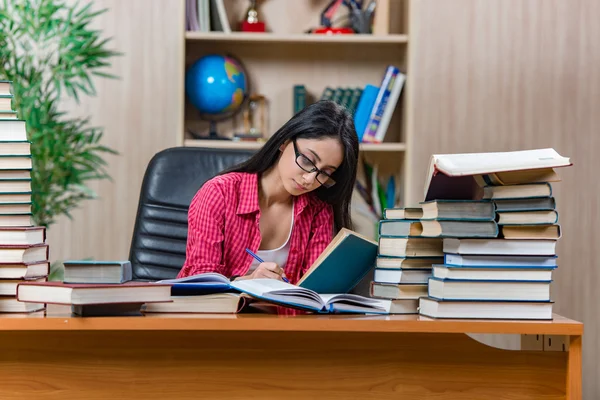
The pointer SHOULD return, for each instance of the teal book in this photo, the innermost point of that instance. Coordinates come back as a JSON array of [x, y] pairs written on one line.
[[97, 271], [299, 98], [343, 263], [363, 109]]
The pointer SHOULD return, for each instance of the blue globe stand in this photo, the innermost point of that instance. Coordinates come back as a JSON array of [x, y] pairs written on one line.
[[213, 85]]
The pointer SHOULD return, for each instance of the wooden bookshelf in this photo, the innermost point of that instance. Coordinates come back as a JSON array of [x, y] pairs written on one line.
[[247, 145], [286, 56], [392, 39]]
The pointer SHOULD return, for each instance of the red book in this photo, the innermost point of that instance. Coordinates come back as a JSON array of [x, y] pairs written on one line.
[[83, 294]]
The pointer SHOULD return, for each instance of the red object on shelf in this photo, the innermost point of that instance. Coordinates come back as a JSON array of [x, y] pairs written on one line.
[[253, 26], [333, 31]]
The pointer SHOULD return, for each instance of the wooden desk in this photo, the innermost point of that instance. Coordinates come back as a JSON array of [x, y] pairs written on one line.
[[272, 357]]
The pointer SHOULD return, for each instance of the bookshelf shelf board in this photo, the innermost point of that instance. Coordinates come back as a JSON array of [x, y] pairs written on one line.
[[295, 38], [229, 144]]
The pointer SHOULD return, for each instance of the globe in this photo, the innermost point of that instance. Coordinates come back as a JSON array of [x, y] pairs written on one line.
[[217, 86]]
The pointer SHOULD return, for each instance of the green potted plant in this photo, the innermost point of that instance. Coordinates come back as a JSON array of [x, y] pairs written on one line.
[[50, 52]]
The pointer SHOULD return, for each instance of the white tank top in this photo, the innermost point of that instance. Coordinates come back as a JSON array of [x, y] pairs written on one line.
[[279, 255]]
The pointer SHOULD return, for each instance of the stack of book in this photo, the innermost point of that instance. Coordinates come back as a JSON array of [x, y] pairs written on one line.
[[499, 257], [405, 258], [23, 248], [96, 288]]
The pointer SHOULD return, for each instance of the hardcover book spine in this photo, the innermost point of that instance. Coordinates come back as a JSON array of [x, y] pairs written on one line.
[[385, 89]]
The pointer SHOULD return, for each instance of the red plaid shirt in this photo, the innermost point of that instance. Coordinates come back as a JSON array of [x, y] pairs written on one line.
[[223, 220]]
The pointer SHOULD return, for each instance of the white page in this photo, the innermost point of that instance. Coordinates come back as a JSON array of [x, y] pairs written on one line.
[[479, 163]]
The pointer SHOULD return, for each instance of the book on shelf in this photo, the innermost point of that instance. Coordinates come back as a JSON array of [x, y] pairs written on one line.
[[392, 77]]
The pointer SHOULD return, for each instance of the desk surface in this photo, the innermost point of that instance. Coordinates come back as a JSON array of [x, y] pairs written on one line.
[[58, 318]]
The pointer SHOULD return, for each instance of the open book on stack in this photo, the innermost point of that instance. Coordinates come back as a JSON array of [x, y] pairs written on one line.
[[339, 268], [280, 293], [506, 275]]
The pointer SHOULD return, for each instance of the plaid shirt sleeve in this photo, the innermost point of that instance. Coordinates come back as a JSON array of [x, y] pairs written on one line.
[[320, 236], [206, 224]]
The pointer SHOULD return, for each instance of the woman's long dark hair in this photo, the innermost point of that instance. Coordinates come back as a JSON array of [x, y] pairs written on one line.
[[324, 119]]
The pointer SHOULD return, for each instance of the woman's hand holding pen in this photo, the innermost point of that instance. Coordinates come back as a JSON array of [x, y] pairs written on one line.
[[268, 270]]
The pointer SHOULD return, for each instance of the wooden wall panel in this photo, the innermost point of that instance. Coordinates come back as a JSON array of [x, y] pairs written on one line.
[[493, 75], [142, 113]]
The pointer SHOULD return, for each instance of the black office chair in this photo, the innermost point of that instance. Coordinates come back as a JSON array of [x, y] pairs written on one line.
[[172, 178]]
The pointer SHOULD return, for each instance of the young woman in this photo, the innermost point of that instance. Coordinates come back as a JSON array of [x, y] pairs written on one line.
[[284, 204]]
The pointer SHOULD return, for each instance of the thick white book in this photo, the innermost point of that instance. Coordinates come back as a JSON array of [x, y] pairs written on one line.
[[460, 176], [433, 308], [521, 247]]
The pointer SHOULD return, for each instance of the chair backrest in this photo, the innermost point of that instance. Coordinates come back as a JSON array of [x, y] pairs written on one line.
[[172, 178]]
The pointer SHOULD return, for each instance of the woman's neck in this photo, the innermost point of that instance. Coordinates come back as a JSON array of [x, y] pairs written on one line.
[[271, 190]]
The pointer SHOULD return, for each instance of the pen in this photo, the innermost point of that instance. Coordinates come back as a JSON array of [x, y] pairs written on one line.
[[257, 258]]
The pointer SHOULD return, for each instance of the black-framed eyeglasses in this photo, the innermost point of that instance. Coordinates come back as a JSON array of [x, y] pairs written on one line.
[[308, 166]]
